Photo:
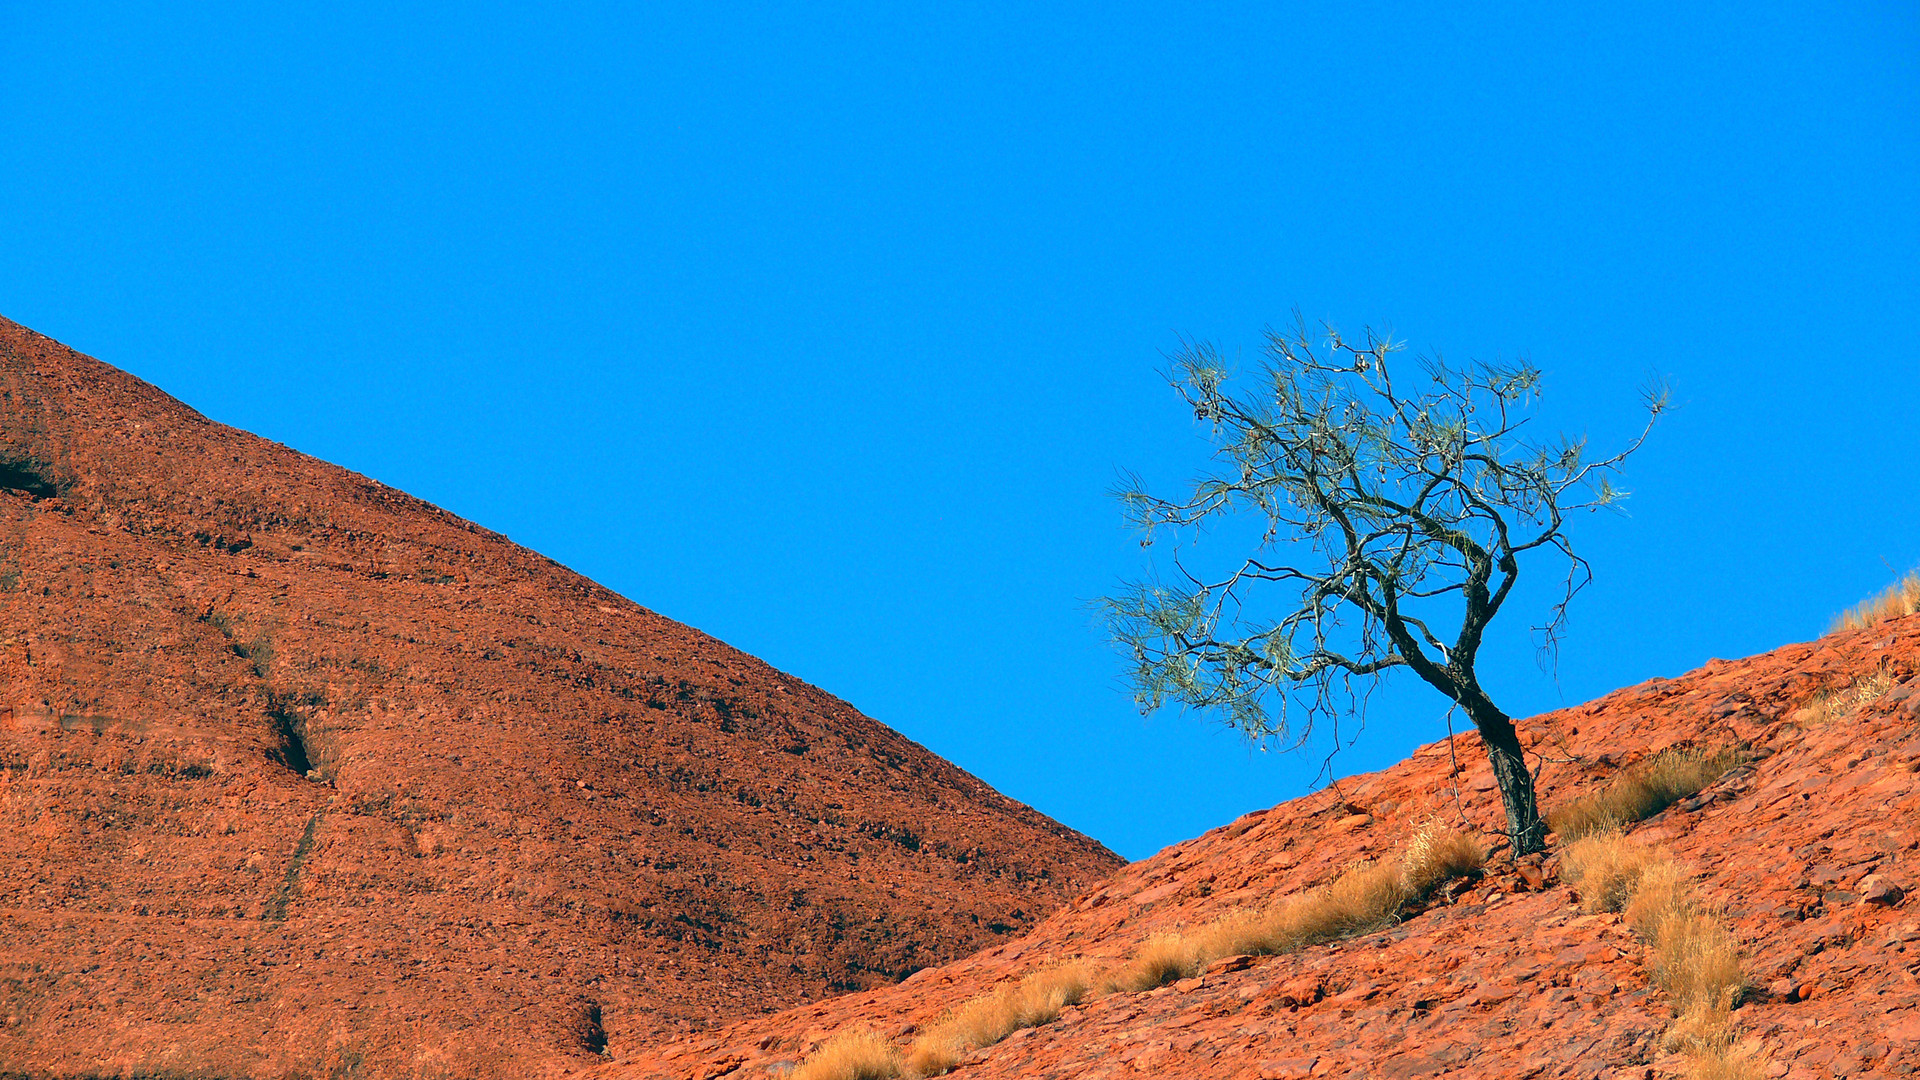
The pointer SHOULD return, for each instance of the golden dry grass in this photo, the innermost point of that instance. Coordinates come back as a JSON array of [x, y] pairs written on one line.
[[1830, 705], [1695, 959], [1900, 598], [1435, 855], [1161, 959], [1606, 868], [850, 1055], [1743, 1060], [1698, 961], [1641, 791], [1693, 956], [1365, 897], [985, 1020]]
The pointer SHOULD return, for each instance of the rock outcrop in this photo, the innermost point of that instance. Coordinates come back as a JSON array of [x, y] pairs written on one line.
[[301, 776]]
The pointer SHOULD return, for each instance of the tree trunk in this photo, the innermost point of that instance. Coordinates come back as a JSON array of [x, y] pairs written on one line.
[[1529, 833]]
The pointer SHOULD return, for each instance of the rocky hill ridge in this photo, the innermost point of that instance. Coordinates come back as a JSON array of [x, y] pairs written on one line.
[[1807, 852], [302, 776]]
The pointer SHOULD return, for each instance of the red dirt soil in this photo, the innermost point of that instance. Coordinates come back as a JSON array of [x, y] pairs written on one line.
[[303, 777], [1494, 977]]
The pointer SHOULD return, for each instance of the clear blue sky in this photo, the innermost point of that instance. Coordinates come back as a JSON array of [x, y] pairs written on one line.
[[826, 328]]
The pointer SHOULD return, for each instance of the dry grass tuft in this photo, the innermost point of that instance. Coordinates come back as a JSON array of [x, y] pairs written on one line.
[[1437, 854], [1713, 1048], [985, 1020], [1900, 598], [1699, 961], [1830, 705], [1365, 897], [1606, 867], [851, 1055], [1744, 1060], [1162, 959], [1233, 934], [1694, 957], [1641, 791], [1699, 1030]]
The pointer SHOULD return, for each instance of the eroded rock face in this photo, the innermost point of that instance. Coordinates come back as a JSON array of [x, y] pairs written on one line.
[[302, 776], [1810, 853]]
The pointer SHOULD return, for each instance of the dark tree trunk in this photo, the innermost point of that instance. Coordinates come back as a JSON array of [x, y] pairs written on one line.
[[1529, 833], [1456, 680]]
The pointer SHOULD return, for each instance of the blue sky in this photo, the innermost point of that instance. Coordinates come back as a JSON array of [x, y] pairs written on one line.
[[827, 328]]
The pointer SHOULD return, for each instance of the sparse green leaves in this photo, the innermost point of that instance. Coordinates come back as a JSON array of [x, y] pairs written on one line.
[[1391, 517]]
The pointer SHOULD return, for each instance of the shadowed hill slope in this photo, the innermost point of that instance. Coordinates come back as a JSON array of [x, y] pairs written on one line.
[[1807, 853], [300, 775]]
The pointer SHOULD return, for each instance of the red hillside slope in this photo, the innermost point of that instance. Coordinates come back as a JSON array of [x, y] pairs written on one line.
[[1804, 854], [301, 776]]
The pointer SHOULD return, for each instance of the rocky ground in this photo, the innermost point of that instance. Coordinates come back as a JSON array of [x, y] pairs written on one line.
[[1807, 853], [301, 776]]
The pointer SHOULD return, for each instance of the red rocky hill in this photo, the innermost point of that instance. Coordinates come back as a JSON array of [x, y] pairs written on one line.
[[1808, 853], [301, 776]]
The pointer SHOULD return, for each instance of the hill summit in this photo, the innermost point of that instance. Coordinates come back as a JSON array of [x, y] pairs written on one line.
[[302, 776]]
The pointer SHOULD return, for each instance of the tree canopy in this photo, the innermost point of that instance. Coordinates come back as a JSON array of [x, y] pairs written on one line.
[[1394, 511]]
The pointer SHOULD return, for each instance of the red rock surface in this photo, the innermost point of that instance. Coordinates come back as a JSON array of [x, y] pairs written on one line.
[[538, 817], [1809, 853]]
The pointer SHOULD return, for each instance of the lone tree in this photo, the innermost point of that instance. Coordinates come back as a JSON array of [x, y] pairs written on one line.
[[1380, 510]]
